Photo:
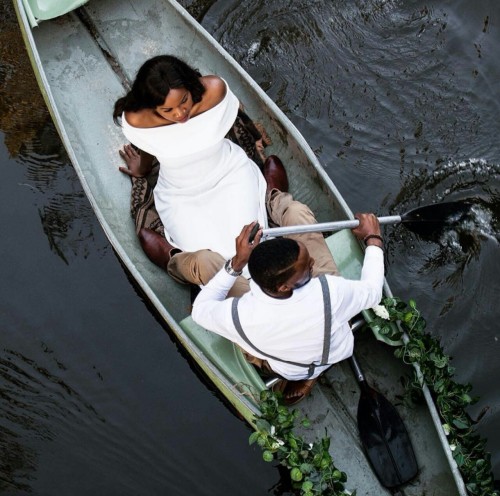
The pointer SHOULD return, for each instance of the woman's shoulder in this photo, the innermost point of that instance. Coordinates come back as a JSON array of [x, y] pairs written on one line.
[[215, 90], [141, 119]]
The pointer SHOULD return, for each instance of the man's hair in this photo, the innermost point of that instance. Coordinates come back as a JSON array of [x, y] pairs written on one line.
[[271, 262]]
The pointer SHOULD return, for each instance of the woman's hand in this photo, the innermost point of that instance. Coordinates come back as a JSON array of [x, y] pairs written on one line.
[[138, 164]]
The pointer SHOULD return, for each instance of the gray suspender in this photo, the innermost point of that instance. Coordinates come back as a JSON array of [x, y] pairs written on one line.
[[327, 306]]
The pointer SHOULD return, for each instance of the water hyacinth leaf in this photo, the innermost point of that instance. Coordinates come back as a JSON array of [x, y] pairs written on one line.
[[460, 424], [268, 456], [307, 486], [296, 475], [262, 441], [263, 425], [325, 443], [337, 475], [459, 458], [253, 437]]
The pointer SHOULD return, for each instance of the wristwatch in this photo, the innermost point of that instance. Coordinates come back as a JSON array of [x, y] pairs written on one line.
[[228, 267]]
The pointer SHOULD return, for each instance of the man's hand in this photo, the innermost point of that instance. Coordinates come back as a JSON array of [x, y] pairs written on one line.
[[368, 224], [244, 247]]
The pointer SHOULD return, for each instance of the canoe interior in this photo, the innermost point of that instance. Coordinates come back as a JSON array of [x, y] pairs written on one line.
[[80, 88], [42, 10]]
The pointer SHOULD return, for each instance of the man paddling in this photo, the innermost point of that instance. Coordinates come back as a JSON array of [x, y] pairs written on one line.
[[295, 318]]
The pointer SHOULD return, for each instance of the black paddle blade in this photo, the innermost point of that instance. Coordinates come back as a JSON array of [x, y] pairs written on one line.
[[429, 221], [385, 439]]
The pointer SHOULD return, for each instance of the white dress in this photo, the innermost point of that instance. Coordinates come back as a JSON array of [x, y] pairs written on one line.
[[208, 188]]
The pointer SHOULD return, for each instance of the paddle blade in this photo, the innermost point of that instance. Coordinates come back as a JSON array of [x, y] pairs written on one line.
[[430, 220], [385, 439]]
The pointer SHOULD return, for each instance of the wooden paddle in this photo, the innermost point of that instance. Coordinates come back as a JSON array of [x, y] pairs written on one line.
[[383, 435], [425, 221]]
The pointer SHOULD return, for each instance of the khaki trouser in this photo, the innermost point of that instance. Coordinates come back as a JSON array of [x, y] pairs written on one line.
[[200, 266]]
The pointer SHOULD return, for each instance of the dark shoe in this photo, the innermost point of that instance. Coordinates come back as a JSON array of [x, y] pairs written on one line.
[[156, 247], [275, 174]]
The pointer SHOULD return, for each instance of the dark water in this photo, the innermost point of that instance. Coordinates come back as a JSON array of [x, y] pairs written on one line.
[[400, 100]]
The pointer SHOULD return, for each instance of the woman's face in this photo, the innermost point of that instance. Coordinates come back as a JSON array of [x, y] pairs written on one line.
[[177, 106]]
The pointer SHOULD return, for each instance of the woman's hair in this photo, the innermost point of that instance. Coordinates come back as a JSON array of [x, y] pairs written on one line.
[[155, 78], [271, 263]]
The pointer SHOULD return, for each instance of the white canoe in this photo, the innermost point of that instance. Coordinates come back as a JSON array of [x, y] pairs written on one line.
[[83, 59]]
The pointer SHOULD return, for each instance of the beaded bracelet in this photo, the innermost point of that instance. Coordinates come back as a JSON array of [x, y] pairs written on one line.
[[373, 236]]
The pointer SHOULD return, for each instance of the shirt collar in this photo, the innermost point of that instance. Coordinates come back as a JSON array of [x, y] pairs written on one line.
[[297, 295]]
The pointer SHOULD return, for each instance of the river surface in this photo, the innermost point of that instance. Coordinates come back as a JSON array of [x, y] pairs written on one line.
[[399, 100]]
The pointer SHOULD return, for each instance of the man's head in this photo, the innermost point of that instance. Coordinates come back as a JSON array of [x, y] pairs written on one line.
[[280, 265]]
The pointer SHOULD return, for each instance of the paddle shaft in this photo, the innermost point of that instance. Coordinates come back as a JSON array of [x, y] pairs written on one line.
[[324, 226], [360, 377]]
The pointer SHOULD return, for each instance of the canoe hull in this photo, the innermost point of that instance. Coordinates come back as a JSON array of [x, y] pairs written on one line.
[[80, 87]]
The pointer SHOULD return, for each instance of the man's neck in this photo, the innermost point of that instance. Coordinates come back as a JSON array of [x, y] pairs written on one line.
[[279, 295]]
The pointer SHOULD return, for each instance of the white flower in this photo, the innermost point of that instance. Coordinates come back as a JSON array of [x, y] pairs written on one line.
[[273, 430], [453, 447], [381, 312], [446, 429]]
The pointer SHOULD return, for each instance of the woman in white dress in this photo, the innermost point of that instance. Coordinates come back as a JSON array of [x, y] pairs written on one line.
[[207, 186]]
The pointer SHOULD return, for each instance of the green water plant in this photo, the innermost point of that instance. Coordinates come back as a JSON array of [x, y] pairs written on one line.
[[311, 468], [451, 398]]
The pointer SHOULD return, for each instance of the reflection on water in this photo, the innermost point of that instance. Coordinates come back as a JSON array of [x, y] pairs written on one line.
[[32, 399], [22, 109], [65, 214]]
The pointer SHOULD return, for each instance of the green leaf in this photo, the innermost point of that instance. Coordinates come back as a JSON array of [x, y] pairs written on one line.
[[307, 486], [267, 456], [253, 437], [296, 474], [459, 458], [460, 424], [408, 316], [263, 425], [337, 474]]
